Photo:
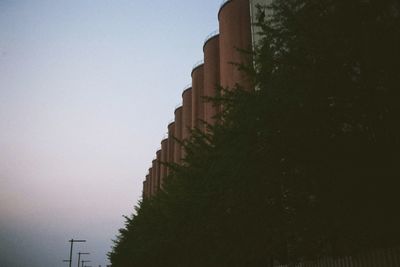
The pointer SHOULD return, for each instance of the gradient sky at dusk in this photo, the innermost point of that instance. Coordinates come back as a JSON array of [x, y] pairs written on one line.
[[87, 88]]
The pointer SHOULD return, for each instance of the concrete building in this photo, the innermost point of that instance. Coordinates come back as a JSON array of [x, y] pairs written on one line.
[[219, 67], [158, 170], [178, 135], [150, 180], [234, 34], [211, 75], [164, 159], [198, 95], [154, 177], [171, 144], [187, 107]]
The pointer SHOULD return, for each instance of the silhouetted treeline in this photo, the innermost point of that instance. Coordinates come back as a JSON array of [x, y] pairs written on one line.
[[305, 166]]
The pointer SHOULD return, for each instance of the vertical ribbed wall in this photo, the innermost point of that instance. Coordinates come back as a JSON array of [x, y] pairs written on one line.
[[154, 177], [211, 76], [178, 135], [164, 156], [197, 97], [235, 32], [158, 168], [150, 182], [187, 107], [146, 187], [144, 190], [171, 144], [220, 51], [187, 113]]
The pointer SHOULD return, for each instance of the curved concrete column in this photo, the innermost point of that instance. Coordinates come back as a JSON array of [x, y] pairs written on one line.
[[178, 136], [235, 33], [197, 97], [171, 144], [211, 77]]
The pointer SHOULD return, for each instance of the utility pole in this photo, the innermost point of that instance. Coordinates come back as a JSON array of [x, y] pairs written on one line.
[[79, 256], [83, 262], [72, 241]]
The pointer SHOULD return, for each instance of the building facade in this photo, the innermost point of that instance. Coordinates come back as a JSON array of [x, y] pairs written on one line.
[[236, 32]]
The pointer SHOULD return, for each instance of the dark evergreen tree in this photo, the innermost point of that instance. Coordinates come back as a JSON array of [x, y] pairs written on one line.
[[303, 167]]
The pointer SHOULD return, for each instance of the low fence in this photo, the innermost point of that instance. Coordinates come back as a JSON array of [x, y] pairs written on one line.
[[378, 258]]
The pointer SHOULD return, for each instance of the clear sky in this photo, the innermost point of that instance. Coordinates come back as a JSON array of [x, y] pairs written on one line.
[[87, 89]]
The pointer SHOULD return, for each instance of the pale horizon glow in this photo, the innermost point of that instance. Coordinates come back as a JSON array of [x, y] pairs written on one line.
[[87, 89]]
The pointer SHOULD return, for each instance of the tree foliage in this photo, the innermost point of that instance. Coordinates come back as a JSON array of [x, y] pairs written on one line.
[[305, 166]]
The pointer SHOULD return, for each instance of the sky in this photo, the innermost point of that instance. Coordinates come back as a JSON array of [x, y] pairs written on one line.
[[87, 89]]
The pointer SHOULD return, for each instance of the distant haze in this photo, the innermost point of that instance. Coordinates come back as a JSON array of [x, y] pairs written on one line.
[[87, 89]]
